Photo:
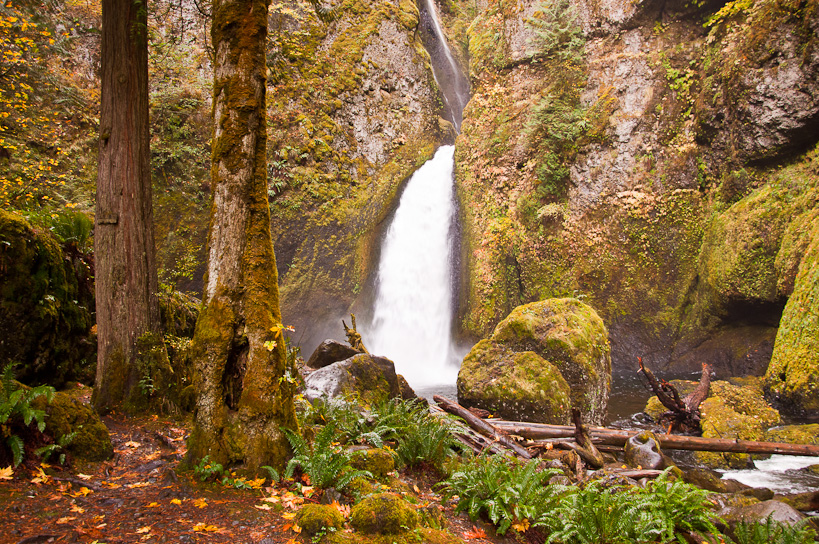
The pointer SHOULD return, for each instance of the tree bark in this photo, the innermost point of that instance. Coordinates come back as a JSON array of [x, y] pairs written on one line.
[[128, 324], [245, 390]]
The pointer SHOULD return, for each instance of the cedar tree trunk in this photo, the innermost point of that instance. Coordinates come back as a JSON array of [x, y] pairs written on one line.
[[126, 279], [245, 390]]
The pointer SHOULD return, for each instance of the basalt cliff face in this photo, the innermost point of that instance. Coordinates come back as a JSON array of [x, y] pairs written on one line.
[[354, 110], [656, 158]]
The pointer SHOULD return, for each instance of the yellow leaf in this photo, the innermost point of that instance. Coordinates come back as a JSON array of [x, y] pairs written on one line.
[[289, 515], [296, 529], [82, 492], [66, 519], [263, 507], [6, 473], [84, 476], [257, 483], [176, 501], [153, 505], [143, 530], [521, 526], [200, 503], [200, 527], [77, 509]]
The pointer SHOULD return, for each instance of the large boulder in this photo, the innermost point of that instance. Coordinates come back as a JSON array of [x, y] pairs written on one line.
[[534, 354], [383, 513], [46, 306], [792, 377], [368, 377], [66, 414], [330, 351]]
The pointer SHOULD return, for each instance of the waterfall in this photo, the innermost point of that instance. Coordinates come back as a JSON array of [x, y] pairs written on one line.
[[413, 310], [412, 318]]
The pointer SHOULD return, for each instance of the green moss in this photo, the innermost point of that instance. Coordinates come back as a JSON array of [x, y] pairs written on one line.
[[792, 377], [377, 461], [571, 336], [384, 513], [315, 518], [46, 313], [66, 414], [520, 386], [425, 535], [794, 434]]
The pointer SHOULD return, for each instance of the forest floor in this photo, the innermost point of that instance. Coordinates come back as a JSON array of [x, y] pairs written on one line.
[[143, 495]]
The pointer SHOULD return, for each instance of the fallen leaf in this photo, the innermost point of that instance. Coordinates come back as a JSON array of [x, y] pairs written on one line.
[[137, 485], [132, 444], [263, 506], [6, 473], [176, 501], [271, 499], [200, 503], [152, 505], [41, 478], [344, 510], [84, 476], [296, 529], [474, 533], [257, 483], [82, 492], [203, 527], [66, 519], [521, 526], [289, 515], [307, 490], [142, 530], [77, 509]]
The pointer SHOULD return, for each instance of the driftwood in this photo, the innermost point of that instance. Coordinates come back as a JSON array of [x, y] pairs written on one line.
[[584, 446], [353, 336], [683, 414], [482, 426], [615, 437]]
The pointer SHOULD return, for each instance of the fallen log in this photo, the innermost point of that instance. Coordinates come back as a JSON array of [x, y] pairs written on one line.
[[482, 426], [616, 437]]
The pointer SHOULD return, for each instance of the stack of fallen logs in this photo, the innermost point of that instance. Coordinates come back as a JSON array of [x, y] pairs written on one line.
[[587, 442]]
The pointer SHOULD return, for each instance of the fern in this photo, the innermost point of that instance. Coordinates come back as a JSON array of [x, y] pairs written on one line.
[[17, 413], [773, 532], [504, 490], [325, 462]]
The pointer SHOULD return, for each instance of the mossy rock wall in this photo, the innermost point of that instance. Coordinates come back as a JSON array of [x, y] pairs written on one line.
[[354, 111], [538, 358], [792, 378], [45, 315]]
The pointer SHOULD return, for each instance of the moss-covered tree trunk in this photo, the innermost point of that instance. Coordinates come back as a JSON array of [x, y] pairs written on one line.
[[244, 388], [126, 279]]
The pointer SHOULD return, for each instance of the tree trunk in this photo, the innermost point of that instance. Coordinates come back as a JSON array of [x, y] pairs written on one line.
[[245, 388], [129, 350]]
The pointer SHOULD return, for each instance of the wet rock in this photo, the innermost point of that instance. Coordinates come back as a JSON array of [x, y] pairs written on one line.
[[330, 351], [804, 502], [776, 510], [370, 378], [643, 451], [794, 434], [531, 358]]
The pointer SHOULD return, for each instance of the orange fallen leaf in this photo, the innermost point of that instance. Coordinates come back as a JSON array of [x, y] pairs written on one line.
[[77, 509], [176, 501], [521, 526], [203, 527], [296, 529], [474, 533], [66, 519], [289, 515], [200, 503], [6, 473], [82, 492], [84, 476], [152, 505], [263, 506], [132, 444], [142, 530]]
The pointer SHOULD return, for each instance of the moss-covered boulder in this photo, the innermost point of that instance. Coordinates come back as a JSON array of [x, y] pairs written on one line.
[[792, 378], [377, 461], [67, 414], [520, 386], [365, 376], [421, 534], [384, 513], [733, 411], [46, 306], [541, 351], [794, 434], [315, 518]]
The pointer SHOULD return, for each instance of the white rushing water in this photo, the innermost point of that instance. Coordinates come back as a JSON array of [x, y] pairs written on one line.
[[412, 316], [780, 474]]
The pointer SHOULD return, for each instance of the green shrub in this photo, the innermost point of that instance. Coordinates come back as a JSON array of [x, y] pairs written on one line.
[[507, 492]]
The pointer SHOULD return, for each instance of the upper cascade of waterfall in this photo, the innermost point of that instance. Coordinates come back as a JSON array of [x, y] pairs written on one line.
[[448, 73]]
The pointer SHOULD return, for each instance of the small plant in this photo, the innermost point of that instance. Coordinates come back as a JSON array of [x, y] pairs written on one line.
[[510, 494], [17, 413], [773, 532], [324, 461], [425, 439], [59, 448], [207, 470], [682, 507]]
